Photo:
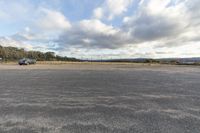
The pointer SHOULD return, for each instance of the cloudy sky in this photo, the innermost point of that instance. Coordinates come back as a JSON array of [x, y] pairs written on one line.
[[103, 28]]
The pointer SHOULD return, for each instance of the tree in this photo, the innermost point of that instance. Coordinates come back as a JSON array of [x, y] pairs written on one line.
[[13, 54]]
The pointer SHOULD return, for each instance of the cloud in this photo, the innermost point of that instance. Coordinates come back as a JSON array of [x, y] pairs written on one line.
[[141, 27], [8, 41], [112, 8], [98, 13], [171, 23], [93, 34], [52, 20], [16, 11], [148, 27], [41, 32], [148, 32], [133, 28], [117, 7], [48, 25]]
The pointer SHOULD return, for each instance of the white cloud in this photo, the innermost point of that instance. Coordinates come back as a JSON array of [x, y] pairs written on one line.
[[51, 20], [157, 6], [8, 41], [48, 26], [96, 26], [98, 13], [117, 7], [112, 8], [15, 11]]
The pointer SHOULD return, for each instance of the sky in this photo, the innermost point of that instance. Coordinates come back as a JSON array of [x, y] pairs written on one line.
[[103, 28]]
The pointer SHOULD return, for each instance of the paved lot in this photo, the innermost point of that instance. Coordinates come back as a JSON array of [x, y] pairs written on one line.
[[114, 99]]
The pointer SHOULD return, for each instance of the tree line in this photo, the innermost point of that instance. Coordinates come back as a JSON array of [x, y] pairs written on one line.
[[13, 54]]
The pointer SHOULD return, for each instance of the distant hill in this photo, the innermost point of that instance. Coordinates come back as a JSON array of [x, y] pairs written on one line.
[[194, 60], [180, 61]]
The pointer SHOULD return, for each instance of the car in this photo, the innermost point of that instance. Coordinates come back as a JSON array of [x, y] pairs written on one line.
[[26, 61]]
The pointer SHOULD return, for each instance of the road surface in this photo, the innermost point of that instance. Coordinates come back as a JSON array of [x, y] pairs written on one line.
[[99, 99]]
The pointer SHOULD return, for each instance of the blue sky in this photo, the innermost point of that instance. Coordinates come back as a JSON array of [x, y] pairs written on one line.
[[103, 28]]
